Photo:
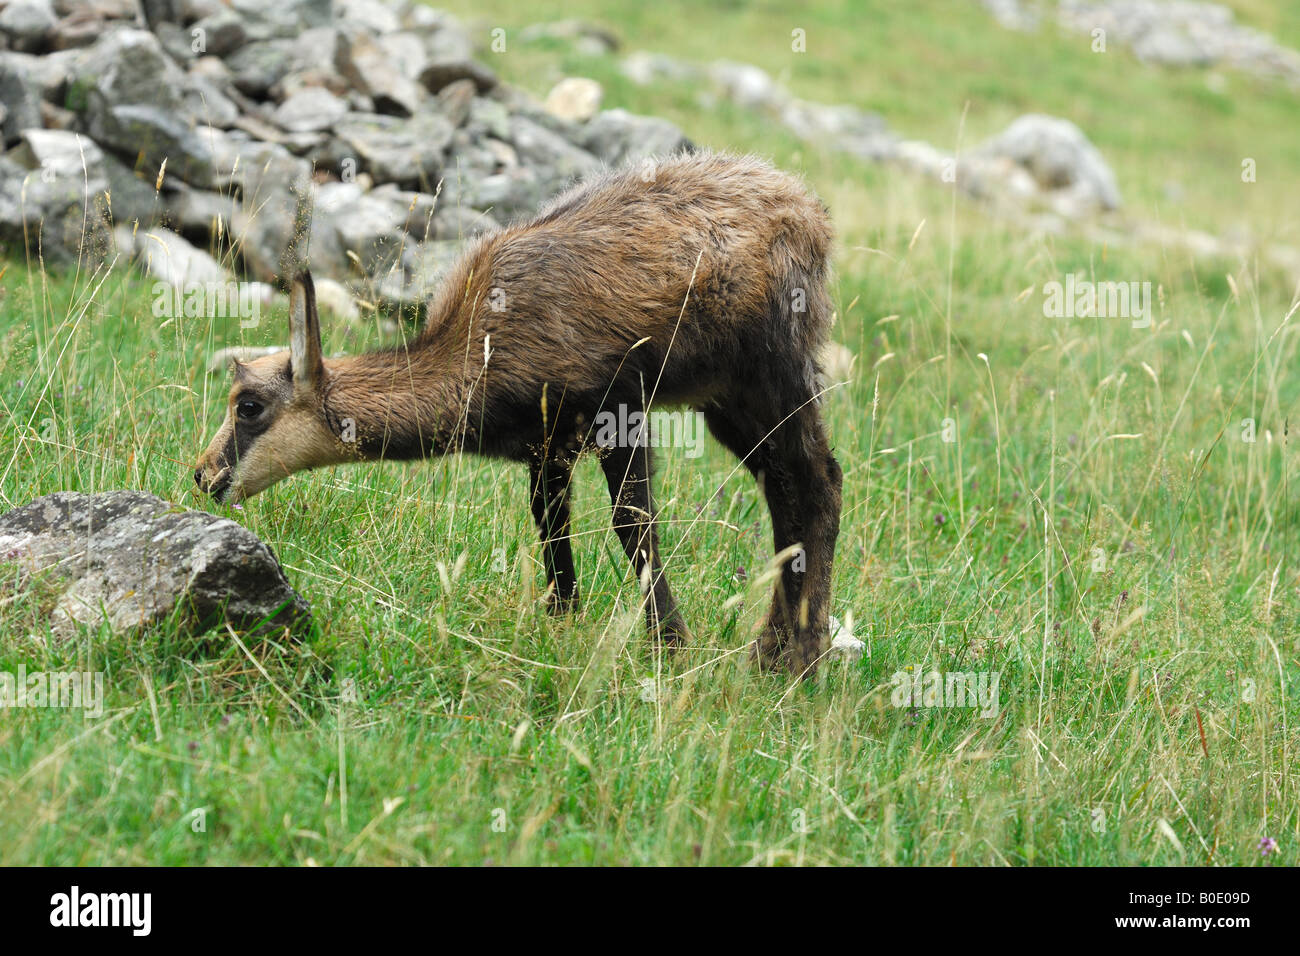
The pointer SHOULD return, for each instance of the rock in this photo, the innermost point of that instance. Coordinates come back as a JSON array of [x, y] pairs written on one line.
[[458, 223], [220, 34], [136, 561], [171, 259], [368, 227], [20, 94], [79, 29], [160, 136], [335, 299], [313, 108], [555, 160], [574, 98], [269, 227], [200, 212], [408, 152], [421, 271], [509, 195], [1059, 158], [747, 85], [132, 94], [644, 68], [846, 127], [455, 100], [27, 24], [443, 71], [443, 36], [618, 137], [132, 198], [375, 15], [52, 196], [259, 65], [208, 103], [283, 18], [413, 210], [103, 9], [371, 70]]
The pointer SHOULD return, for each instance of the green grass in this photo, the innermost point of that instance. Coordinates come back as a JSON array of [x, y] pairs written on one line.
[[1099, 534]]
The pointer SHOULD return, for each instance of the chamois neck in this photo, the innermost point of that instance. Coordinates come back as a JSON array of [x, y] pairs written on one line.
[[395, 404]]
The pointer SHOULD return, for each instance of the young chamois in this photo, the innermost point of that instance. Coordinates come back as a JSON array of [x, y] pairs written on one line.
[[698, 281]]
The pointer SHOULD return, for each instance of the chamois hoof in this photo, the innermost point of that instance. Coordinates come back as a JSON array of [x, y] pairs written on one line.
[[775, 652]]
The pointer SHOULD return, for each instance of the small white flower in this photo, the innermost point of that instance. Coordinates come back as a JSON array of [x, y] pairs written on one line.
[[843, 643]]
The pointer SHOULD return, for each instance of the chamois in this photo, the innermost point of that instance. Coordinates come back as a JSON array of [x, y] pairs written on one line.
[[698, 280]]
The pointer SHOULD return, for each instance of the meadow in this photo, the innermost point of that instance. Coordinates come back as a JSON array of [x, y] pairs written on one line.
[[1100, 514]]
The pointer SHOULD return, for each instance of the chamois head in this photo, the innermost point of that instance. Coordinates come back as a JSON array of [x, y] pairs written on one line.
[[274, 422]]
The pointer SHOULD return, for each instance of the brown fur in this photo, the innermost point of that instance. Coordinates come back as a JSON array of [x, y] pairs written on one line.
[[680, 288]]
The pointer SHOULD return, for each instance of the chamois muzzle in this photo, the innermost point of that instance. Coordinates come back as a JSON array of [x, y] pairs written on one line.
[[215, 484]]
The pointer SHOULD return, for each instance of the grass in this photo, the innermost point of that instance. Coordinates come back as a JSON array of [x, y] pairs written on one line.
[[1099, 533]]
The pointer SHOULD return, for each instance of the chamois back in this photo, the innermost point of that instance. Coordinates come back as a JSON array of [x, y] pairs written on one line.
[[710, 256]]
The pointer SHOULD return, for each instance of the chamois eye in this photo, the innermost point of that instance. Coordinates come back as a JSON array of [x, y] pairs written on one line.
[[247, 409]]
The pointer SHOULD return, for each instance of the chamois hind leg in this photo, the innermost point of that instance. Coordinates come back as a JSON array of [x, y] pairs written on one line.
[[550, 503], [627, 472], [787, 450]]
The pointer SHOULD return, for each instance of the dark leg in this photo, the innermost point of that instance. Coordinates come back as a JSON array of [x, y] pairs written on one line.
[[627, 472], [550, 502], [801, 481]]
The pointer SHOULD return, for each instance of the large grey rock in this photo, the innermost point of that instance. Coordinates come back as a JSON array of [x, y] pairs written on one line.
[[20, 94], [27, 24], [375, 15], [136, 561], [274, 189], [575, 99], [618, 137], [441, 71], [283, 18], [372, 71], [133, 96], [369, 227], [259, 65], [172, 259], [418, 276], [201, 212], [131, 196], [221, 33], [52, 196], [1066, 167], [406, 151], [311, 108]]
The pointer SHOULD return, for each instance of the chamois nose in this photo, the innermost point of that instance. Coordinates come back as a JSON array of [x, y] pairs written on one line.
[[198, 478]]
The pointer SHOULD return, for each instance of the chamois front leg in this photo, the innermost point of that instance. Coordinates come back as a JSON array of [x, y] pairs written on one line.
[[550, 503], [627, 472]]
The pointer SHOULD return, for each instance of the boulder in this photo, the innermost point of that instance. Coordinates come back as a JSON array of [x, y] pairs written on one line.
[[574, 98], [171, 259], [27, 24], [52, 196], [618, 137], [406, 151], [135, 561], [1064, 165], [311, 109]]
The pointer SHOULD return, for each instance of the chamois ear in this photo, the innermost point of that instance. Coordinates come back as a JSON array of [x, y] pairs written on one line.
[[304, 334]]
